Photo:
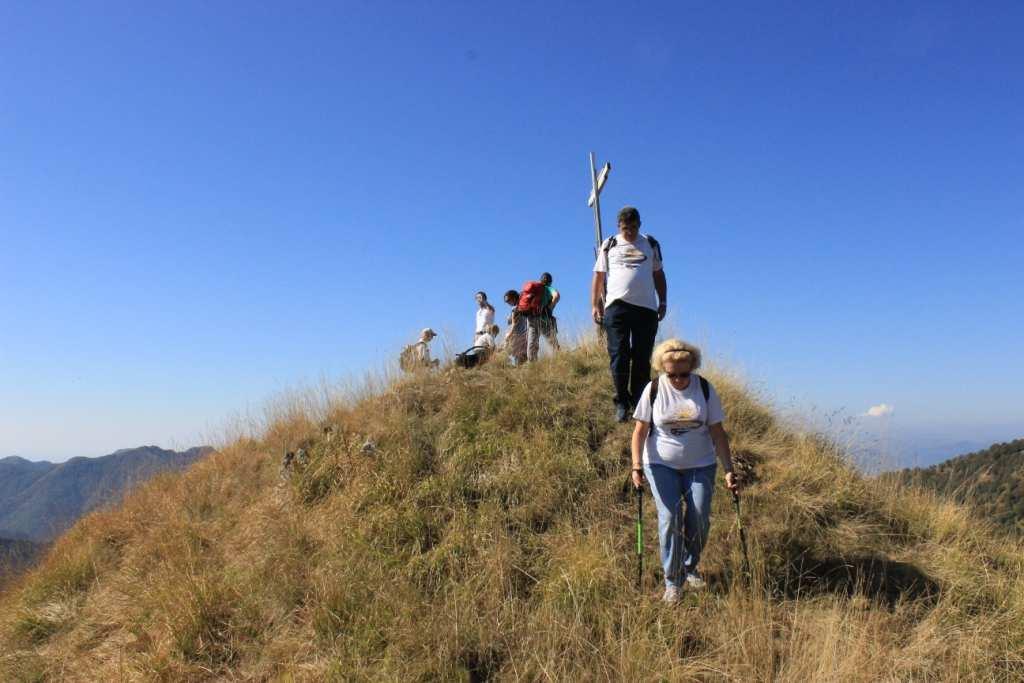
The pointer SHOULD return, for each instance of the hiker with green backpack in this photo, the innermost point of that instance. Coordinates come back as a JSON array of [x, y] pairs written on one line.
[[537, 302], [678, 435]]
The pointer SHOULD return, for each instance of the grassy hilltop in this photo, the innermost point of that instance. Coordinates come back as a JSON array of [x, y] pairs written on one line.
[[475, 525]]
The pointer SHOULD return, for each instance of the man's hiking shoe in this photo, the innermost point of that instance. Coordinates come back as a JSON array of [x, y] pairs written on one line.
[[621, 413], [672, 594], [695, 583]]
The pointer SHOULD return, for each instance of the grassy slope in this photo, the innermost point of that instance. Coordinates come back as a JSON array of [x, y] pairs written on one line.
[[490, 535]]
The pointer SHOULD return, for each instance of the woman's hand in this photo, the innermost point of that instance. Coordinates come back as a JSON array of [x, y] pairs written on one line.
[[732, 482], [638, 478]]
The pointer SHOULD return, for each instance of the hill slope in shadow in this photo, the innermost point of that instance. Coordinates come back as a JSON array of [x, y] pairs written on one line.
[[477, 525]]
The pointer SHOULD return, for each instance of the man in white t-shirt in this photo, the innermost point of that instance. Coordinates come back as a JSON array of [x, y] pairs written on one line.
[[628, 297]]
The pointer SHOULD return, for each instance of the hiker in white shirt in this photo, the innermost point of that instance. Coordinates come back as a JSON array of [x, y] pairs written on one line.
[[677, 437], [629, 297], [484, 314], [486, 339], [480, 352]]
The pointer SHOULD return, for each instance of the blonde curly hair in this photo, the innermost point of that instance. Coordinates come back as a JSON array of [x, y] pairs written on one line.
[[673, 351]]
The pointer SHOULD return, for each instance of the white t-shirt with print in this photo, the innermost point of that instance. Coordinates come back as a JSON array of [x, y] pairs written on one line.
[[630, 267], [679, 436], [484, 319]]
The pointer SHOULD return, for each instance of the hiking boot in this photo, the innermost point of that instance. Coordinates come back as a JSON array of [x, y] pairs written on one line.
[[621, 413], [695, 583], [671, 595]]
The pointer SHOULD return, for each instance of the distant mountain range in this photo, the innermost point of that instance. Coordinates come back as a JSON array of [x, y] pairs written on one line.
[[40, 500], [989, 481]]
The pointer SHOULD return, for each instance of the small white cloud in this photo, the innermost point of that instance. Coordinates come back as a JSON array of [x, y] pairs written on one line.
[[881, 410]]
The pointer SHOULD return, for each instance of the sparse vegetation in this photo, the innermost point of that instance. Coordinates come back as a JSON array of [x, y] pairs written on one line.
[[487, 536]]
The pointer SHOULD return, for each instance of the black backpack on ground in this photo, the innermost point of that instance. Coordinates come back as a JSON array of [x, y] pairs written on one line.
[[471, 357]]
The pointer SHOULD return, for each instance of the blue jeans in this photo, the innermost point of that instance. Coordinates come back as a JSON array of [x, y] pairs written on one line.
[[680, 552]]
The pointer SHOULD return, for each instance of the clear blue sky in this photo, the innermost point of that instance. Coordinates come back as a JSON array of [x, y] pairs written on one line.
[[204, 203]]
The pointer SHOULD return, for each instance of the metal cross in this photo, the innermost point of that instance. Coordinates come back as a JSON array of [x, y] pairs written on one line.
[[597, 181]]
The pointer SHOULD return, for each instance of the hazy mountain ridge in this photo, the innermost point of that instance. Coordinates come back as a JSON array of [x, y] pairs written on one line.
[[39, 500], [989, 482]]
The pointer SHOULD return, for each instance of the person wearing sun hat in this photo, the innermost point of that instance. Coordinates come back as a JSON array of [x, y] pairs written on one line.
[[417, 356], [423, 348]]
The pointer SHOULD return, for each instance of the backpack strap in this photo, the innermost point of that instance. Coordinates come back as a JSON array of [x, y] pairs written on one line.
[[612, 241], [705, 388]]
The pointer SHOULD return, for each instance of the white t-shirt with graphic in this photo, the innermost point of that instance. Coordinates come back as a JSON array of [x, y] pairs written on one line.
[[630, 267], [679, 436]]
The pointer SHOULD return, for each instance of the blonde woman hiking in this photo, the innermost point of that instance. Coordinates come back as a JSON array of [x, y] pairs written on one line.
[[677, 437]]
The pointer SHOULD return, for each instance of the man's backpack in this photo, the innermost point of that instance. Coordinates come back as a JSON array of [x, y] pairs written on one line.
[[531, 299], [705, 388], [409, 360], [614, 240]]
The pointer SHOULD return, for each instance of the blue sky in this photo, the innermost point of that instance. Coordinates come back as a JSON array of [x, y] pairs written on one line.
[[202, 204]]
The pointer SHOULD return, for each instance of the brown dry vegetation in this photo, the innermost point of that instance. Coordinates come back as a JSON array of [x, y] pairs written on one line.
[[489, 537]]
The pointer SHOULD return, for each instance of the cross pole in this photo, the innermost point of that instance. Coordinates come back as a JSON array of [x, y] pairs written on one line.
[[597, 181]]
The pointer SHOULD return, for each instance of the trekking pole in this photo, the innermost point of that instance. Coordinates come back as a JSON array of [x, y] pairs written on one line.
[[743, 536], [639, 537]]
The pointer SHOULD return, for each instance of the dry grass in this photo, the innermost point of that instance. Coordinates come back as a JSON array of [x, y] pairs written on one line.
[[488, 536]]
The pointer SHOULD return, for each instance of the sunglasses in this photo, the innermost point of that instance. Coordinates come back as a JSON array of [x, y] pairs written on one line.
[[678, 375]]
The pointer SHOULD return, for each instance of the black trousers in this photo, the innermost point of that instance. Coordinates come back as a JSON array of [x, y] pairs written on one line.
[[630, 331]]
